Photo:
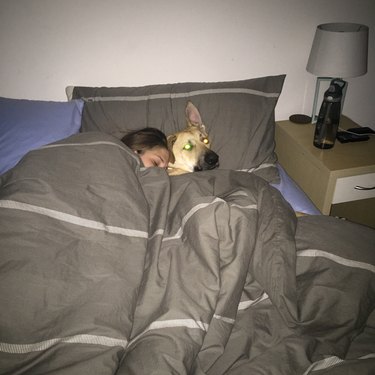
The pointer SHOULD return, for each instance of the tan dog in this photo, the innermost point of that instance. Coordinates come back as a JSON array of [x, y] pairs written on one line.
[[190, 148]]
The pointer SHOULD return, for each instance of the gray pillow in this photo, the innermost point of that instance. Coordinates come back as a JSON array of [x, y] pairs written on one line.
[[239, 116]]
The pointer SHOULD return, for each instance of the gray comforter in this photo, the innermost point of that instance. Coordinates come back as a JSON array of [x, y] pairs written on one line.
[[110, 268]]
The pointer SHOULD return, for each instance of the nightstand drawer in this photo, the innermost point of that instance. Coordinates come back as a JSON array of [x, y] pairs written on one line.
[[353, 188]]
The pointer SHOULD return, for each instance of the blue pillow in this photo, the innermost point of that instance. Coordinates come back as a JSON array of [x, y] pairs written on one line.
[[29, 124]]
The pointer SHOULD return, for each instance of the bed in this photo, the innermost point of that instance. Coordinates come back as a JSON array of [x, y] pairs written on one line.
[[107, 267]]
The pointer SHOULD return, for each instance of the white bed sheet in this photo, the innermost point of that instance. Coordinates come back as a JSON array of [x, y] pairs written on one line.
[[294, 194]]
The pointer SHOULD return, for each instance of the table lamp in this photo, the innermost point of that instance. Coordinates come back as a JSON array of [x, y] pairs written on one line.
[[339, 50]]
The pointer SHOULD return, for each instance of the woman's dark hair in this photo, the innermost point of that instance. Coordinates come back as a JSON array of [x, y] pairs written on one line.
[[145, 139]]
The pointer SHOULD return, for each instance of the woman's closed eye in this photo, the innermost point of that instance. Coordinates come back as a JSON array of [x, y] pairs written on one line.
[[157, 157]]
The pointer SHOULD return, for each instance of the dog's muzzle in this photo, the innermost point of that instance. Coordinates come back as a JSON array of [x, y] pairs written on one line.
[[210, 160]]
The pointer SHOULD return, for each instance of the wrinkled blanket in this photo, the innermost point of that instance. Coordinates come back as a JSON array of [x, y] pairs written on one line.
[[110, 268]]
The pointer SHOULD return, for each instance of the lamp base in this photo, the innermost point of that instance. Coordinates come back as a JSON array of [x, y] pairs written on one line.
[[319, 95]]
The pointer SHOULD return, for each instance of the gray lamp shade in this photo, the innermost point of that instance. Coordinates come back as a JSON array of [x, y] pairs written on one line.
[[339, 50]]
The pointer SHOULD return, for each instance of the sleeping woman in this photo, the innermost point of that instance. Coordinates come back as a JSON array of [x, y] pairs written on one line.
[[151, 146]]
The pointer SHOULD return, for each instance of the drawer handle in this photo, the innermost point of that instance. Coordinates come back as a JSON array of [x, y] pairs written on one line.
[[363, 188]]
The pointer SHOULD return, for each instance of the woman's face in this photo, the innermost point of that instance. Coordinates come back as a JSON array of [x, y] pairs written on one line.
[[155, 157]]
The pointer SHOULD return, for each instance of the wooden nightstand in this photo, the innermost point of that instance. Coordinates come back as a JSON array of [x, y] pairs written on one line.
[[329, 177]]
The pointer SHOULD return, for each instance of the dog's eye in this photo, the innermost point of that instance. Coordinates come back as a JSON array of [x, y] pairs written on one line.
[[204, 139], [188, 147]]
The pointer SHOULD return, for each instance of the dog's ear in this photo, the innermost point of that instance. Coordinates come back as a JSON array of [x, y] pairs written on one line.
[[192, 114], [171, 140]]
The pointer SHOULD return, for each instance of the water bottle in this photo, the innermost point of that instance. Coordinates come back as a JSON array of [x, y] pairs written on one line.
[[329, 115]]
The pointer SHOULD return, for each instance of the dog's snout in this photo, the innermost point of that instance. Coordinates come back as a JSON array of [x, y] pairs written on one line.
[[211, 158]]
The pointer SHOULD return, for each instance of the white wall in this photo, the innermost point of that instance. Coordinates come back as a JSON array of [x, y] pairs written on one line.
[[46, 45]]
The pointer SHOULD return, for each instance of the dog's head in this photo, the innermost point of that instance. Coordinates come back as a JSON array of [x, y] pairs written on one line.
[[190, 148]]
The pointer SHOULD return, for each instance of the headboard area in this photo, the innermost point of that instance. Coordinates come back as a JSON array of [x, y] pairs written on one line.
[[239, 115]]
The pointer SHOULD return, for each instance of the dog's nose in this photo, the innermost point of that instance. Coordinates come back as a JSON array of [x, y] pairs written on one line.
[[211, 158]]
